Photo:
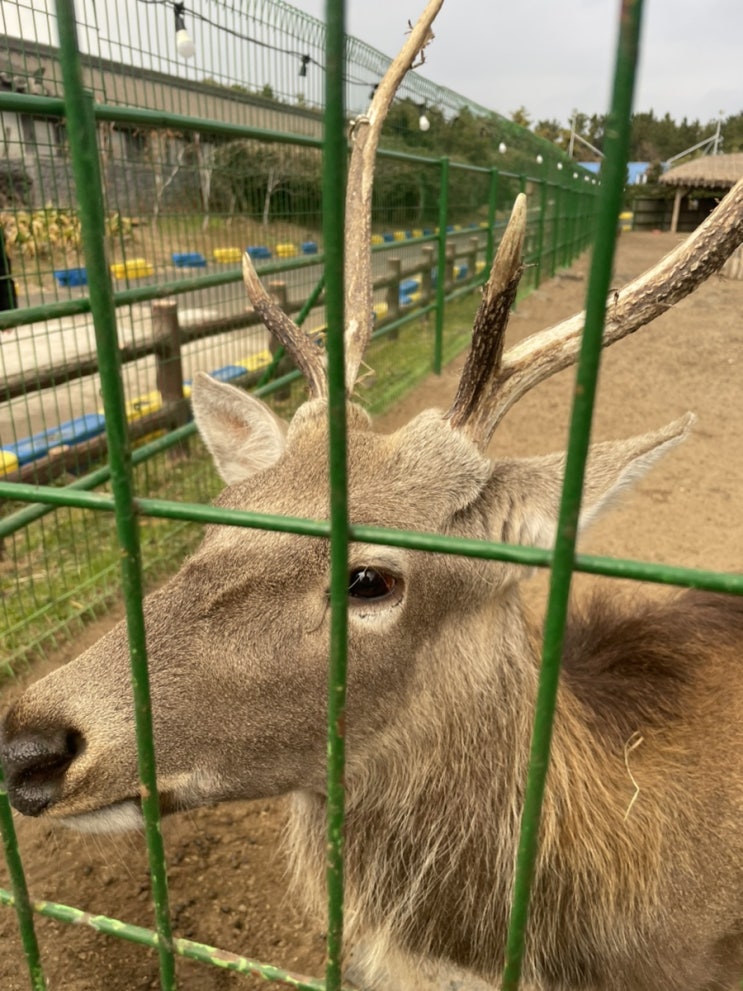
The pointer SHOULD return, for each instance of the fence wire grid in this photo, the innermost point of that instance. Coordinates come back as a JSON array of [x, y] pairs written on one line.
[[199, 160]]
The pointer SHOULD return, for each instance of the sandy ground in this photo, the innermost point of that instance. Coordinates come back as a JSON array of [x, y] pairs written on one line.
[[226, 869]]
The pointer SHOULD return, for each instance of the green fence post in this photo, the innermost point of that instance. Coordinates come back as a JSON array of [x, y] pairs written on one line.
[[334, 184], [618, 133], [438, 343], [84, 150], [568, 235], [540, 232], [556, 230], [21, 901], [584, 219]]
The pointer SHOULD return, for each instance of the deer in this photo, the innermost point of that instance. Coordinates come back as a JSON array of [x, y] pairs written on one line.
[[639, 877]]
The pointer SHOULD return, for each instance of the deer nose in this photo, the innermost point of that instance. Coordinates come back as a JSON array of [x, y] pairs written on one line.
[[34, 766]]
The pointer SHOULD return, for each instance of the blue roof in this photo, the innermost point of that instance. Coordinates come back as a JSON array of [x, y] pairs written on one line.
[[635, 170]]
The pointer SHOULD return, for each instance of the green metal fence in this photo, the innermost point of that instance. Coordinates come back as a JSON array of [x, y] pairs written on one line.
[[561, 226]]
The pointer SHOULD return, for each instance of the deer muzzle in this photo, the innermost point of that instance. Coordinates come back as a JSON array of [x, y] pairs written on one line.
[[35, 764]]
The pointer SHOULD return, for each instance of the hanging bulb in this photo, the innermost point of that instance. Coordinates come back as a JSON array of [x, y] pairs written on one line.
[[502, 148], [183, 40], [559, 165], [423, 122], [539, 159], [303, 67], [184, 44]]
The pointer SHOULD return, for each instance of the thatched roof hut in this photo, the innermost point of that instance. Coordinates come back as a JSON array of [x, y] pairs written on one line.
[[717, 173]]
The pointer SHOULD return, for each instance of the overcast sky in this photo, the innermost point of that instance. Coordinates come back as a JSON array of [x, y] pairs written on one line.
[[552, 57]]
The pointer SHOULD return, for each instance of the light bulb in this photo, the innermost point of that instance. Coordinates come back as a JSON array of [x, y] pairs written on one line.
[[539, 159], [502, 148], [559, 165], [423, 122], [184, 44]]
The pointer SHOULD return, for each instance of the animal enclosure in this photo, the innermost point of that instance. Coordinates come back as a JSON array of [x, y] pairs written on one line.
[[226, 867], [339, 533]]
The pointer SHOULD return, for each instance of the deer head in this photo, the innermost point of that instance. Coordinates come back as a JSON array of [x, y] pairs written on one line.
[[238, 639]]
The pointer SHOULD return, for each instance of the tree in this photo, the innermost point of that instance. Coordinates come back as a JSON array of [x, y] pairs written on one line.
[[205, 154], [732, 132], [471, 139], [552, 130], [251, 175], [164, 169], [521, 117]]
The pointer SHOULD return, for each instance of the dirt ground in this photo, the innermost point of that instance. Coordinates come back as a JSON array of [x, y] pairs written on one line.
[[227, 873]]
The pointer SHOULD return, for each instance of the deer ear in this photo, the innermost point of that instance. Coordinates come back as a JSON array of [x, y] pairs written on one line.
[[525, 494], [241, 432]]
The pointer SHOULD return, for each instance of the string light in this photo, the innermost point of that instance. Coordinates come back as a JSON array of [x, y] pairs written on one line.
[[183, 40], [502, 148], [423, 122], [187, 49], [540, 160]]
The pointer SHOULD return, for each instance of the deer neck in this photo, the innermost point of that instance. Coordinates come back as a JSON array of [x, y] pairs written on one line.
[[427, 775], [433, 816]]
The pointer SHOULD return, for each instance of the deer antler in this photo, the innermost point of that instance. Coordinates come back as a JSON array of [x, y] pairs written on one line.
[[306, 353], [358, 272], [489, 393], [365, 138], [478, 385]]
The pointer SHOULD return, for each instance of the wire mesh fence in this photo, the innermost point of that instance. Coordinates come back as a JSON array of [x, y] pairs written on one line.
[[153, 183], [199, 162]]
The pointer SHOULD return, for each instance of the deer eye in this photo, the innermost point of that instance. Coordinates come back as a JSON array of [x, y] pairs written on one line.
[[368, 583]]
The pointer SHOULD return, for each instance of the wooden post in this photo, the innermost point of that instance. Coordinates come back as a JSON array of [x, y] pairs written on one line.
[[166, 337], [676, 209]]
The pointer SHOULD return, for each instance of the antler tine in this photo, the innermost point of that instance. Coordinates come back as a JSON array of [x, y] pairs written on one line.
[[472, 408], [677, 275], [365, 138], [306, 354]]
